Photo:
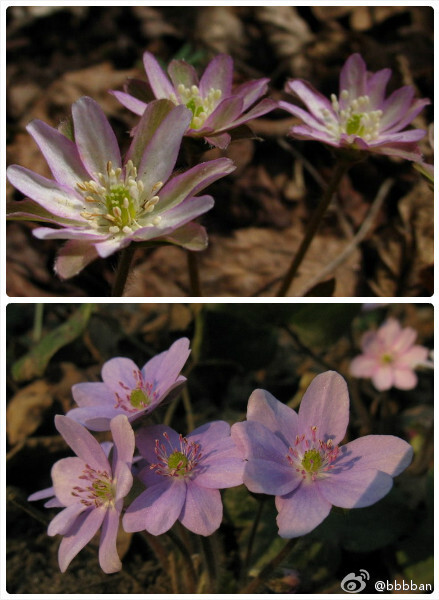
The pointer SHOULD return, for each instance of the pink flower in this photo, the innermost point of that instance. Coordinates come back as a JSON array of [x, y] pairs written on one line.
[[361, 118], [215, 107], [102, 204], [389, 356]]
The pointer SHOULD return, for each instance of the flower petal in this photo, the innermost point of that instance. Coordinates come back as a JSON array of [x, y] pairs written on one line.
[[383, 379], [94, 137], [121, 375], [191, 236], [363, 366], [56, 199], [41, 494], [123, 437], [79, 536], [95, 418], [255, 441], [82, 443], [386, 453], [413, 357], [146, 440], [92, 394], [130, 102], [66, 474], [353, 77], [159, 82], [269, 477], [325, 405], [352, 489], [170, 365], [251, 91], [404, 379], [396, 106], [315, 102], [222, 117], [218, 75], [192, 182], [108, 557], [301, 511], [73, 257], [61, 154], [276, 416], [376, 88], [65, 519], [160, 154], [202, 511], [260, 109], [182, 72], [157, 508]]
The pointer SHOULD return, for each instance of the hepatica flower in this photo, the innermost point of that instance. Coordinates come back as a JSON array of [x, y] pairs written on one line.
[[390, 357], [90, 490], [128, 390], [183, 477], [101, 204], [361, 117], [298, 457], [216, 108]]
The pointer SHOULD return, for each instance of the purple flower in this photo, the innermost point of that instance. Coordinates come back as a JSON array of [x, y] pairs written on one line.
[[183, 477], [297, 457], [390, 356], [90, 490], [361, 117], [100, 204], [214, 106], [128, 390]]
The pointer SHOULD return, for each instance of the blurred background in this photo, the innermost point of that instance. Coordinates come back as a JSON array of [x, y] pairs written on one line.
[[57, 54], [235, 349]]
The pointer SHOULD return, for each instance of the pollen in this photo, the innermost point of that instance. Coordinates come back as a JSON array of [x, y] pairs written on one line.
[[201, 107], [352, 117]]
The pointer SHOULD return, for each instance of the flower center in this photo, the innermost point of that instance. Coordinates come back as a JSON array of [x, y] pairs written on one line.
[[386, 359], [99, 491], [311, 457], [354, 117], [201, 107], [176, 462], [120, 202], [132, 400]]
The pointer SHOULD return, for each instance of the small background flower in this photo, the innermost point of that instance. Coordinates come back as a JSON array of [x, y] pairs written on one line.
[[390, 356]]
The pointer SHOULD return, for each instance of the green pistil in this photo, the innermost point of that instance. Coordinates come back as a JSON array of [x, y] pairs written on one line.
[[103, 489], [354, 125], [120, 198], [312, 461], [177, 459], [387, 359], [139, 399]]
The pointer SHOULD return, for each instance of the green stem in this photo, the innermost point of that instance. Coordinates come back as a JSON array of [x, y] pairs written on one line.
[[191, 575], [268, 569], [194, 275], [210, 562], [252, 536], [340, 170], [38, 322], [123, 268]]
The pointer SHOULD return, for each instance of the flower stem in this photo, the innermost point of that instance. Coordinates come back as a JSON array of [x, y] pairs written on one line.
[[268, 569], [191, 576], [210, 562], [252, 536], [194, 275], [340, 170], [123, 269]]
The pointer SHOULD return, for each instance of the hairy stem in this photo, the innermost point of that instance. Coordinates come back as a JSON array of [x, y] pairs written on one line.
[[340, 170], [268, 569], [123, 268], [191, 575], [210, 562], [194, 274], [252, 536]]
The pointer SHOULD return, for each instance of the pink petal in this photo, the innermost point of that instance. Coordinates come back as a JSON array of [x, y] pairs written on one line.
[[82, 443], [108, 557], [130, 102], [182, 72], [276, 416], [94, 137], [251, 91], [355, 489], [157, 508], [64, 520], [223, 116], [270, 477], [85, 528], [376, 88], [118, 371], [191, 236], [123, 437], [73, 257], [383, 378], [301, 511], [66, 475], [325, 405], [396, 106], [412, 357], [353, 77], [404, 379], [203, 510], [316, 103], [92, 394], [386, 453], [218, 75], [260, 109], [159, 82], [60, 153], [364, 366], [404, 340]]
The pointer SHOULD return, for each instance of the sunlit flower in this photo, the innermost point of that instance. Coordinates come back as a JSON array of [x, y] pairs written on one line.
[[101, 204], [361, 117], [297, 457], [90, 490], [390, 356], [216, 108], [128, 390], [183, 478]]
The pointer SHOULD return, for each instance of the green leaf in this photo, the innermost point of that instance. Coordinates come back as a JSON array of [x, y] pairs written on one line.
[[34, 363]]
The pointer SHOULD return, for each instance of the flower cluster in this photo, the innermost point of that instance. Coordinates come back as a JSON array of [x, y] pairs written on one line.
[[296, 457], [101, 203]]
